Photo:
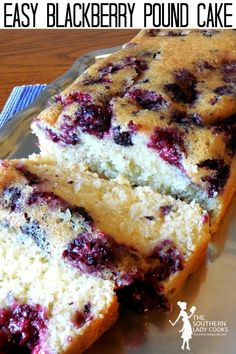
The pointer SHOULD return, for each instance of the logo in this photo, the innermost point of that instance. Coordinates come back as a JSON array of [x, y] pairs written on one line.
[[186, 330], [198, 326]]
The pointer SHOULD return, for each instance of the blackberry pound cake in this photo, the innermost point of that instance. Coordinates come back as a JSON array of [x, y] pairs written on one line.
[[46, 306], [145, 243], [161, 111]]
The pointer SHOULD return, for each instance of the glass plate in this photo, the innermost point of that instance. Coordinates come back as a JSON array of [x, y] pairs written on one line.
[[212, 289]]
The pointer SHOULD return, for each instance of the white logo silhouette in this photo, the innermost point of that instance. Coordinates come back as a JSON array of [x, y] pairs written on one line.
[[187, 327]]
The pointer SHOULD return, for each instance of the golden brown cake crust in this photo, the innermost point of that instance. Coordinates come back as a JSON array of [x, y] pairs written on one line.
[[95, 330], [210, 58], [177, 87]]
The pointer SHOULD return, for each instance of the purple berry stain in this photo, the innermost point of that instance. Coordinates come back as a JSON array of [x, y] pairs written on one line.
[[229, 71], [81, 317], [49, 198], [11, 198], [22, 328], [93, 119], [165, 209], [148, 99], [133, 127], [122, 138], [80, 211], [33, 229], [32, 178], [171, 259], [183, 87], [186, 119], [169, 143], [77, 96], [219, 173], [224, 90], [90, 252], [66, 136], [141, 296], [105, 77]]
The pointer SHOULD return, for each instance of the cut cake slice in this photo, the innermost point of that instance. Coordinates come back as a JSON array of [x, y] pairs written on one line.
[[146, 243], [46, 306]]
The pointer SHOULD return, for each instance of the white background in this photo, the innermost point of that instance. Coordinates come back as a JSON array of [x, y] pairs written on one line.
[[138, 18]]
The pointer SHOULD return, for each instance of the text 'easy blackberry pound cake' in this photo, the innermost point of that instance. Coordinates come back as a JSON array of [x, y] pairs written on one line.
[[161, 111], [106, 229]]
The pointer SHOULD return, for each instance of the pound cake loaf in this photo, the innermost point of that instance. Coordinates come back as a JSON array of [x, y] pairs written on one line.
[[161, 111], [146, 243], [46, 306]]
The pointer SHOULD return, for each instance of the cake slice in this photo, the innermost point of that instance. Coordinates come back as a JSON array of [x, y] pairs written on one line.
[[145, 243], [46, 306], [161, 111]]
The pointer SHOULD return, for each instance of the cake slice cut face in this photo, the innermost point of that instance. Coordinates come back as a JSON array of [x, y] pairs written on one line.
[[161, 111], [46, 306], [144, 243]]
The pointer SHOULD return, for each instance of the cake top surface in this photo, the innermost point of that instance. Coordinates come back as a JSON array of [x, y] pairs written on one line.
[[177, 87]]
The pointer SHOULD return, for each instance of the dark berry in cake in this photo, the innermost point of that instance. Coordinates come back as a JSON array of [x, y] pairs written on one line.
[[209, 33], [81, 317], [93, 119], [176, 34], [171, 259], [231, 143], [152, 32], [49, 198], [211, 164], [205, 65], [224, 90], [229, 67], [141, 297], [11, 198], [122, 138], [165, 209], [169, 143], [110, 68], [79, 97], [103, 79], [90, 252], [66, 136], [22, 327], [150, 218], [133, 127], [196, 119], [139, 64], [205, 218], [186, 119], [218, 175], [183, 87], [148, 99], [32, 229], [83, 212], [229, 71], [31, 177]]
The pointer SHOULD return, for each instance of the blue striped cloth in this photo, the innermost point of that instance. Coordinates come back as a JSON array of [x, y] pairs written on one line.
[[20, 98]]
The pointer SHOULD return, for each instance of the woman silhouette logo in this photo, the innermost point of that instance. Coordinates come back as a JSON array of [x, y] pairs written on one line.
[[187, 328]]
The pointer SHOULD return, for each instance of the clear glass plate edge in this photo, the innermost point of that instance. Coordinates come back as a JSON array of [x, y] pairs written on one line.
[[15, 135]]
